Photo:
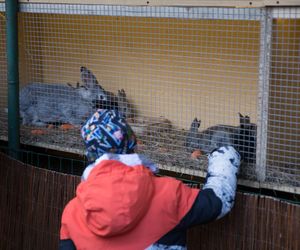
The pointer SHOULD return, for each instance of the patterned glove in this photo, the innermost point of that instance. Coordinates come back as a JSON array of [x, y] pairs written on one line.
[[223, 167]]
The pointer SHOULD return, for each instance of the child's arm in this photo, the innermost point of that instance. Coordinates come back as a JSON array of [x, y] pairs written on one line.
[[215, 199]]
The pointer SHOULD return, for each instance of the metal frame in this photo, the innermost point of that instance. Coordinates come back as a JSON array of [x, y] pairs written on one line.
[[144, 11], [12, 77], [263, 95], [222, 3]]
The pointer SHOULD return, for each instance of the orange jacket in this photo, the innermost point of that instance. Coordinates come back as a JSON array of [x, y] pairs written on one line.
[[121, 207]]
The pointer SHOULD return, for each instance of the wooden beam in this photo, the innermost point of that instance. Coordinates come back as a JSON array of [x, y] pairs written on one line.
[[281, 2], [242, 182], [187, 3], [206, 3]]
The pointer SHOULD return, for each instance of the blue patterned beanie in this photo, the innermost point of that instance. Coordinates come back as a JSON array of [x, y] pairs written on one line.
[[107, 132]]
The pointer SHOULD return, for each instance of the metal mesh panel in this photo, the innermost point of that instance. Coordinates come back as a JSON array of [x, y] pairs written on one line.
[[283, 157], [194, 79], [3, 84], [174, 65]]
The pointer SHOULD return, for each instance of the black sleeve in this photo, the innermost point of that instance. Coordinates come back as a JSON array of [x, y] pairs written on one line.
[[66, 245], [206, 208]]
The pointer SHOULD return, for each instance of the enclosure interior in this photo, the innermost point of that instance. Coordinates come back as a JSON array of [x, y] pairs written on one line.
[[175, 64]]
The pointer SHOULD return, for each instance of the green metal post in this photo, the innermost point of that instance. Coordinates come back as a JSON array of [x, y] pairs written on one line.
[[11, 7]]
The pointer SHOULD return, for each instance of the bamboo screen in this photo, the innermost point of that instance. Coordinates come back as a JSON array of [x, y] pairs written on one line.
[[32, 200]]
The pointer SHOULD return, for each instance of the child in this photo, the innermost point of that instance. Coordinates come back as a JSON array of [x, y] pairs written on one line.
[[121, 204]]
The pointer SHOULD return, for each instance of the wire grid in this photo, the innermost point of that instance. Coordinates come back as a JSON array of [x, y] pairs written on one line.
[[46, 160], [283, 157], [173, 68], [3, 74]]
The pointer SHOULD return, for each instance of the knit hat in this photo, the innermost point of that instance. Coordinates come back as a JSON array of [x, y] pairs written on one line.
[[107, 132]]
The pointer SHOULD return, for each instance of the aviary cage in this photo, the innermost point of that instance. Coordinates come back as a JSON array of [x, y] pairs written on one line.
[[194, 77]]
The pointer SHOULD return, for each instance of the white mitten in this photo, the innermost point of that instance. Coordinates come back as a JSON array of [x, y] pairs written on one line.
[[223, 167]]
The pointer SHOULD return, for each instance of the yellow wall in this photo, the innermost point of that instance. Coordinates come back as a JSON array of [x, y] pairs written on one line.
[[169, 67], [284, 103]]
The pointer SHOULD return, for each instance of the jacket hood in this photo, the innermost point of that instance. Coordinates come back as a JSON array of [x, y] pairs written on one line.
[[115, 198], [121, 207]]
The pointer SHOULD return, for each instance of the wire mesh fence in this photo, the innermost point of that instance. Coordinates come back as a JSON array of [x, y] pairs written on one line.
[[172, 70], [53, 161], [283, 157], [187, 81]]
